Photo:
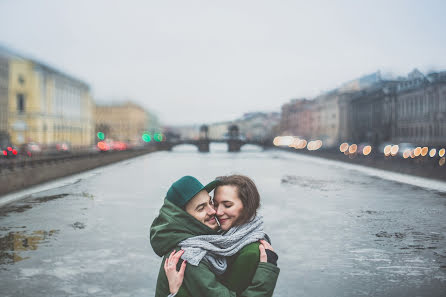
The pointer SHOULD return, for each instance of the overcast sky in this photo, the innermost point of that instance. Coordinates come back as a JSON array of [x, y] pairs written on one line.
[[207, 61]]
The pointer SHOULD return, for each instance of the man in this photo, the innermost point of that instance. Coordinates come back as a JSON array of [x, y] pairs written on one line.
[[188, 212]]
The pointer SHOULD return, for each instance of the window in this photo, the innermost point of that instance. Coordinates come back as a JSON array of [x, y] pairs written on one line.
[[21, 79], [20, 102]]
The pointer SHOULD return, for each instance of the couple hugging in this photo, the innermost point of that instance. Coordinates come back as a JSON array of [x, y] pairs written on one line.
[[221, 239]]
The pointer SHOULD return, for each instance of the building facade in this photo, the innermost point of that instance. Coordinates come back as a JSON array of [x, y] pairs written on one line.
[[45, 105], [294, 119], [258, 126], [374, 111], [371, 114], [122, 122], [421, 109], [4, 85]]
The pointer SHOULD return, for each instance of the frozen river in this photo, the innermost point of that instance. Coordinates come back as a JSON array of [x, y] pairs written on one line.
[[339, 229]]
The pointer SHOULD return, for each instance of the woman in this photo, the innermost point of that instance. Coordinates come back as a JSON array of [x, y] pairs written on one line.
[[236, 200]]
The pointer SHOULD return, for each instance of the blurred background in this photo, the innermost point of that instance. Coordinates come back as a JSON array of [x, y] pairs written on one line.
[[295, 94]]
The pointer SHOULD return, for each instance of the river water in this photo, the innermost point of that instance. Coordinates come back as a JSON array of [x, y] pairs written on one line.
[[339, 229]]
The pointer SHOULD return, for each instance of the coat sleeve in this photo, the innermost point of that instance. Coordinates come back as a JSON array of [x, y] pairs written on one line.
[[242, 267], [263, 282], [200, 281]]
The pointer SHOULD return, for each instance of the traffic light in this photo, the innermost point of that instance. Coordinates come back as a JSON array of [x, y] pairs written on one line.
[[101, 135], [146, 137], [158, 137]]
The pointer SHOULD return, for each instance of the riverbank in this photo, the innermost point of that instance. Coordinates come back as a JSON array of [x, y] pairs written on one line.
[[23, 174], [426, 167]]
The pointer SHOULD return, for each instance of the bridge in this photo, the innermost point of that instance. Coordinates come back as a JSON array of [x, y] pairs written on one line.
[[234, 141]]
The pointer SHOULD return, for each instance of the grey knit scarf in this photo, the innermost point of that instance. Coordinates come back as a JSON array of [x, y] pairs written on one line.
[[214, 248]]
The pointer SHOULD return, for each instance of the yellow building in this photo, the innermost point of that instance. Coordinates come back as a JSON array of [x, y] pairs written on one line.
[[47, 106], [4, 82], [122, 122]]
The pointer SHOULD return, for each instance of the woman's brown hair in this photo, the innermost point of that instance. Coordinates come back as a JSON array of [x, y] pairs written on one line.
[[247, 192]]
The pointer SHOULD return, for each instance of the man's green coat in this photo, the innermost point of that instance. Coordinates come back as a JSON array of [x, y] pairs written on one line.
[[173, 225]]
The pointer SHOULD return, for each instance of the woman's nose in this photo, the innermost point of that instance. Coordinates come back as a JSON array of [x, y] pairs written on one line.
[[219, 211]]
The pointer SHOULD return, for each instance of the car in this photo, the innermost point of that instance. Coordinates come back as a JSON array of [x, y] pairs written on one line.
[[9, 152], [58, 148], [31, 149], [118, 146]]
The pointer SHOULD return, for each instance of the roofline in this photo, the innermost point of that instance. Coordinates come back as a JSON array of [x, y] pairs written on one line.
[[13, 54]]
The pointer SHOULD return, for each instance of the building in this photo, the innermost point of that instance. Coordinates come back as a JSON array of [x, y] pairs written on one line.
[[219, 130], [122, 121], [301, 117], [374, 110], [253, 126], [328, 116], [371, 114], [258, 126], [46, 105], [153, 123], [4, 85], [421, 109]]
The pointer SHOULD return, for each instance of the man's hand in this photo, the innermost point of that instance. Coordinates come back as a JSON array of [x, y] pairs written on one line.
[[174, 277]]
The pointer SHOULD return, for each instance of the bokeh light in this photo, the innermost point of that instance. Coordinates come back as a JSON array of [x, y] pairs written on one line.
[[432, 153], [310, 146], [417, 151], [387, 150], [103, 146], [158, 137], [295, 143], [366, 150], [343, 147], [424, 151], [441, 152], [406, 153], [394, 150], [146, 137], [352, 149], [302, 144], [442, 161]]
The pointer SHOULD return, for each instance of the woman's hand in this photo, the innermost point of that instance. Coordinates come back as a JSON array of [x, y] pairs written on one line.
[[264, 245], [174, 277]]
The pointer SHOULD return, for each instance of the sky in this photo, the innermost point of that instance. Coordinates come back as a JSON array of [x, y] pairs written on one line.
[[194, 62]]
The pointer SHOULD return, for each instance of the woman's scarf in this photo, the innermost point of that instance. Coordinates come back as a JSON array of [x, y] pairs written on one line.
[[214, 248]]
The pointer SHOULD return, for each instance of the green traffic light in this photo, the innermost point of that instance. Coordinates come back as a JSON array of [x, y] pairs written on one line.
[[158, 137], [146, 137], [101, 135]]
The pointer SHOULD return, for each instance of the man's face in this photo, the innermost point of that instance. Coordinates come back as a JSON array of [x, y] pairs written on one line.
[[200, 207]]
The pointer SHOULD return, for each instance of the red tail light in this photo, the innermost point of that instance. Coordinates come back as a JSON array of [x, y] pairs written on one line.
[[5, 153], [9, 148], [103, 146], [14, 152]]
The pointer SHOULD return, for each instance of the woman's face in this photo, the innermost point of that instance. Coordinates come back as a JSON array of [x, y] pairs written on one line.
[[228, 206]]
